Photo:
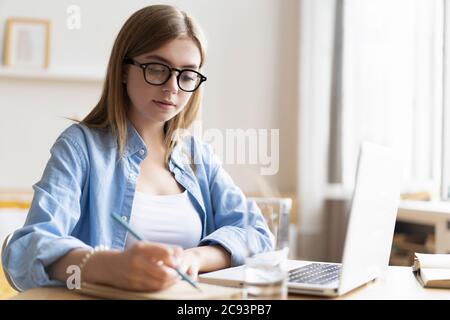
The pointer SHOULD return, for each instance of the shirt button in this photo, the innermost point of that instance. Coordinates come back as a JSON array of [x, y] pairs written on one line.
[[142, 152], [124, 218], [132, 176]]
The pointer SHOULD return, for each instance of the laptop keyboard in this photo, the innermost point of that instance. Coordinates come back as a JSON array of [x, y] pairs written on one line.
[[315, 273]]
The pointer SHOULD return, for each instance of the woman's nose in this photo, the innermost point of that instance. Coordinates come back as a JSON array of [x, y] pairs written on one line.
[[172, 84]]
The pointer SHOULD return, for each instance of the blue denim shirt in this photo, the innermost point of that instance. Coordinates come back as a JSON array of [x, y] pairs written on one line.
[[85, 181]]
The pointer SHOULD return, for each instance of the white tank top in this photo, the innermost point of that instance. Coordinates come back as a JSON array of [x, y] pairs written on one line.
[[169, 219]]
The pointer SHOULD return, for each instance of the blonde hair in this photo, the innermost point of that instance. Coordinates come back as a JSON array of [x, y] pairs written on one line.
[[146, 30]]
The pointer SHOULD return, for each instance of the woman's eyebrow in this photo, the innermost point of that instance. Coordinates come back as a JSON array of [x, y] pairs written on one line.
[[156, 57]]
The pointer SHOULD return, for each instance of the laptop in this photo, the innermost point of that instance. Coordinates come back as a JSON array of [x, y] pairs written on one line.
[[368, 239]]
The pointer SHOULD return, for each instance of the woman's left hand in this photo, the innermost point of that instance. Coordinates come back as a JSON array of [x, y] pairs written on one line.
[[189, 262]]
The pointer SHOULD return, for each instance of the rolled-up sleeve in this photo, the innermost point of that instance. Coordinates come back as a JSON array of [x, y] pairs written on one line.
[[231, 208], [54, 213]]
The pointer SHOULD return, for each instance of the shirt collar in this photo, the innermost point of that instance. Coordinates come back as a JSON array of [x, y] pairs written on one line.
[[134, 141]]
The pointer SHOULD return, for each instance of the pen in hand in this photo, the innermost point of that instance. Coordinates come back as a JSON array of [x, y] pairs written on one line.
[[137, 236]]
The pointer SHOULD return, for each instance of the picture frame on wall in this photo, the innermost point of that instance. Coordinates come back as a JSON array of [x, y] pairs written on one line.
[[27, 43]]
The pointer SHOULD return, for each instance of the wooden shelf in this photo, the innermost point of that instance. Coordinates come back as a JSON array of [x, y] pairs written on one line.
[[431, 213], [428, 207], [54, 74]]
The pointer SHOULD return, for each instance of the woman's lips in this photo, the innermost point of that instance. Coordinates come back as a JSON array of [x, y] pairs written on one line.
[[164, 104]]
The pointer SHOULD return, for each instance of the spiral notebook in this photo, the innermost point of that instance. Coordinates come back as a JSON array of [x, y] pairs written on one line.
[[180, 291]]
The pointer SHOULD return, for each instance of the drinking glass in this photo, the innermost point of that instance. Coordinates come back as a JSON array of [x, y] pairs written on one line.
[[265, 275]]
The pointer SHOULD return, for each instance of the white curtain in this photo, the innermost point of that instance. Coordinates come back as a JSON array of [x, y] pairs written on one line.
[[316, 41], [446, 110], [392, 85]]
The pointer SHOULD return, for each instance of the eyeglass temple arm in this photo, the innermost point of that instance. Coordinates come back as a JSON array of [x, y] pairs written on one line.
[[131, 61]]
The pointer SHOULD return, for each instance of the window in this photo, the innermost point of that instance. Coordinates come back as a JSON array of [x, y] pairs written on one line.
[[392, 89], [446, 106]]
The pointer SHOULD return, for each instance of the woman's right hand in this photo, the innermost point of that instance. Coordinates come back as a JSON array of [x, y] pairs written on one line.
[[145, 266]]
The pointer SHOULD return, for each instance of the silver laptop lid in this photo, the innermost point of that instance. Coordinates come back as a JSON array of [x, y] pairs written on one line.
[[372, 218]]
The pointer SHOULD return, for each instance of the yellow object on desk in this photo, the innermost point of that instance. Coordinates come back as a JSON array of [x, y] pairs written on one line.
[[15, 204], [15, 198]]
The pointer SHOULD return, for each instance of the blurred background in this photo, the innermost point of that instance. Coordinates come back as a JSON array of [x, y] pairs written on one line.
[[327, 74]]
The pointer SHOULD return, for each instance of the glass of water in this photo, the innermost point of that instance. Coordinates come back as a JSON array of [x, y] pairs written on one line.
[[265, 272]]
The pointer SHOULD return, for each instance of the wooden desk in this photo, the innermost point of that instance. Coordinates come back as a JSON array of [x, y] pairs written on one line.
[[399, 284]]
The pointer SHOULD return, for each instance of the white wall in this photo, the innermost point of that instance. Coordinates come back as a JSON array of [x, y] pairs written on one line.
[[251, 69]]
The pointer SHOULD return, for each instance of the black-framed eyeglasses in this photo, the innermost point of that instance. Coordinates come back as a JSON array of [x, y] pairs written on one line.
[[158, 74]]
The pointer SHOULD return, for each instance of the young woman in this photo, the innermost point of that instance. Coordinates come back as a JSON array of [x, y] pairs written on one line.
[[126, 158]]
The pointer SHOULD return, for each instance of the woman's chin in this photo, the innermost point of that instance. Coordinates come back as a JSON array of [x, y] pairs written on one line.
[[162, 117]]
